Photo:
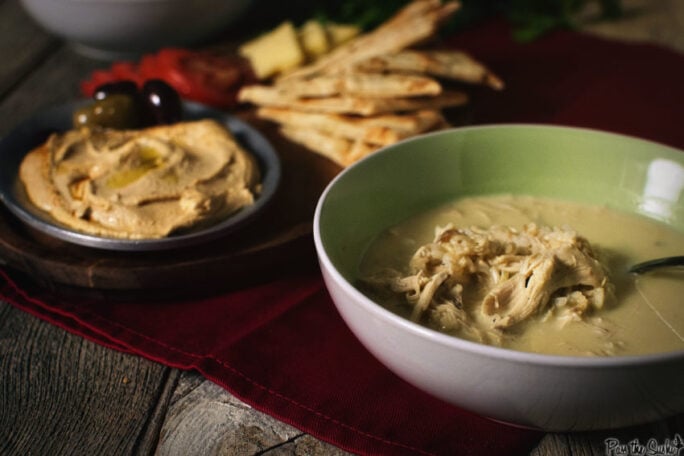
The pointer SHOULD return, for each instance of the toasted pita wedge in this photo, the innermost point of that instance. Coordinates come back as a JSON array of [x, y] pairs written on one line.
[[359, 150], [274, 97], [441, 125], [414, 23], [381, 130], [454, 65], [340, 150], [362, 85], [410, 121], [331, 147]]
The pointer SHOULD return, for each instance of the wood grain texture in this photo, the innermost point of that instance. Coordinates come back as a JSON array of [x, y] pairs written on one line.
[[64, 395], [203, 418], [52, 79], [23, 40], [594, 443]]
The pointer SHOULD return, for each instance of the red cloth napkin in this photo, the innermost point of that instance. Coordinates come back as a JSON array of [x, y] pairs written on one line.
[[282, 347], [580, 80]]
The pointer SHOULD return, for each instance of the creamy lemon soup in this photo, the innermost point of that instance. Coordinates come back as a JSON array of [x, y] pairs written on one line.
[[532, 274]]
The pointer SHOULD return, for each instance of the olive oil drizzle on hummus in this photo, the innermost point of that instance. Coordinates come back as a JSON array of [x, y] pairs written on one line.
[[140, 184]]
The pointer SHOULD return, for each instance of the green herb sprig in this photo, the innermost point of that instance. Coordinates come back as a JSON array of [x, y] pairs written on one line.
[[530, 19]]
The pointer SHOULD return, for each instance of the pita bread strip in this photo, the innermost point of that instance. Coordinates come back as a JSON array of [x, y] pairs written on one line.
[[332, 125], [441, 125], [341, 151], [380, 130], [330, 147], [414, 23], [462, 66], [363, 84], [359, 150], [454, 65], [258, 93], [375, 106], [416, 121], [270, 96], [410, 122]]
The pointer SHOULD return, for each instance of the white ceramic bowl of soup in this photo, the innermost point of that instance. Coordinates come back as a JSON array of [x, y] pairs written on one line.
[[125, 28], [555, 392]]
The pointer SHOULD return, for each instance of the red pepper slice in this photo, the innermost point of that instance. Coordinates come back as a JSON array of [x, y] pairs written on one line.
[[97, 78], [202, 76], [126, 71]]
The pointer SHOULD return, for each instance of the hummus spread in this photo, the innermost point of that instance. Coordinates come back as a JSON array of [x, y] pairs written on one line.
[[141, 184]]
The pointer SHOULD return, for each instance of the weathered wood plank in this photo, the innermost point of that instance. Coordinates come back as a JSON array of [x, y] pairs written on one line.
[[64, 395], [37, 69], [203, 418], [304, 445], [595, 443], [23, 44], [54, 81]]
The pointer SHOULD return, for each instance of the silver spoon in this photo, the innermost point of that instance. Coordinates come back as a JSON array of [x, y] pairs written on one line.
[[657, 263]]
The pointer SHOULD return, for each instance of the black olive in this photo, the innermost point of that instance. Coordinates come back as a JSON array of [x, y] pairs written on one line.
[[163, 102], [129, 88], [115, 111]]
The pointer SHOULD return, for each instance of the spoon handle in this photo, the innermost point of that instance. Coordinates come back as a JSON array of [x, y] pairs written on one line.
[[658, 263]]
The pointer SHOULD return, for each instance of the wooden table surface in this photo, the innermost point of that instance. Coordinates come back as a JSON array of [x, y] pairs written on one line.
[[61, 394]]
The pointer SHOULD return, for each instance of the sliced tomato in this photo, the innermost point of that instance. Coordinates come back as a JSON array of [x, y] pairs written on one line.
[[97, 78], [149, 69], [202, 76], [126, 71]]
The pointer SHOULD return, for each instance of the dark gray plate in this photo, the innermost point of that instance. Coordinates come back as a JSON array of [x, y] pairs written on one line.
[[35, 130]]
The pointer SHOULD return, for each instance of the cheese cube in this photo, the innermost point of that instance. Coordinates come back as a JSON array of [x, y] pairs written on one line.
[[314, 39], [274, 52], [341, 33]]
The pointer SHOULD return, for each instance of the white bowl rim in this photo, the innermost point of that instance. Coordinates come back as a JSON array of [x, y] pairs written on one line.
[[464, 345]]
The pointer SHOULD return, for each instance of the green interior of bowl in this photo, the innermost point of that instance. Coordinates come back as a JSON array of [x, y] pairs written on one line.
[[566, 163]]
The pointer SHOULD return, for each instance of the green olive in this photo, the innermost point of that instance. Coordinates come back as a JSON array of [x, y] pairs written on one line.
[[117, 111]]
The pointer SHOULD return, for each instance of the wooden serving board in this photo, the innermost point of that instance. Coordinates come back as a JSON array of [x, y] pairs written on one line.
[[278, 241]]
